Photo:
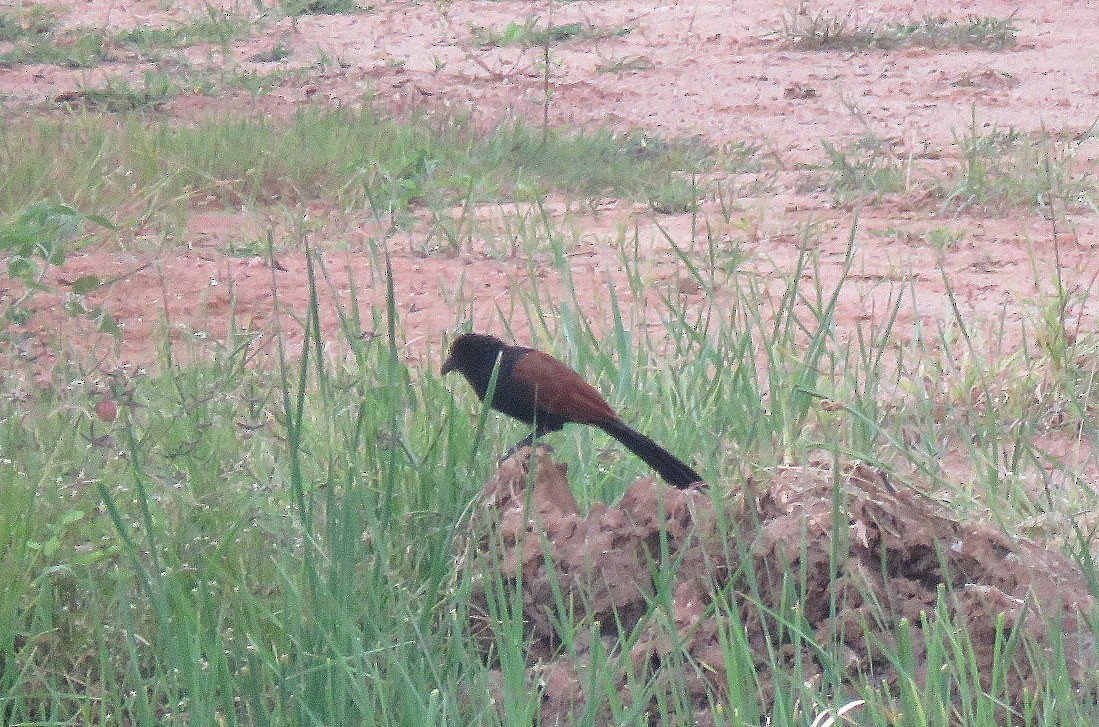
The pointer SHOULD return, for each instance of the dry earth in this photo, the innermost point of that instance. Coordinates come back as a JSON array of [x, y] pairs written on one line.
[[720, 71]]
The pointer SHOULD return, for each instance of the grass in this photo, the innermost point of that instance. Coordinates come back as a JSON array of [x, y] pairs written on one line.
[[34, 41], [277, 546], [33, 23], [215, 26], [626, 64], [987, 167], [118, 95], [822, 30], [35, 38], [355, 158], [868, 166], [1001, 168], [531, 34], [321, 7], [276, 53]]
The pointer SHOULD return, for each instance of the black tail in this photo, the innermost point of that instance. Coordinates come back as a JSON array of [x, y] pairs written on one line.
[[676, 472]]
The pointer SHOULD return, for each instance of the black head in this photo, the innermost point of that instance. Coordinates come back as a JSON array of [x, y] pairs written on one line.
[[473, 352]]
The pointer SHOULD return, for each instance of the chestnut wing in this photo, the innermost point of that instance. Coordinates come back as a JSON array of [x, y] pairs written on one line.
[[561, 391]]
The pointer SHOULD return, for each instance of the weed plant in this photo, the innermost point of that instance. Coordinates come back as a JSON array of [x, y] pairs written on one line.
[[32, 243], [35, 38]]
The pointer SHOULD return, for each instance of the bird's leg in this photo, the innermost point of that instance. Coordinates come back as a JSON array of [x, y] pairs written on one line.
[[527, 441]]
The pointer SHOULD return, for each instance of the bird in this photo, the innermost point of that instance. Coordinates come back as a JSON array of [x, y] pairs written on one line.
[[546, 394]]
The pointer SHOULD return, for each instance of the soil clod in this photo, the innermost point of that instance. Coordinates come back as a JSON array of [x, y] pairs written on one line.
[[661, 579]]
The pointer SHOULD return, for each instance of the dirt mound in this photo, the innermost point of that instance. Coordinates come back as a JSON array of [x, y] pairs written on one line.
[[897, 556]]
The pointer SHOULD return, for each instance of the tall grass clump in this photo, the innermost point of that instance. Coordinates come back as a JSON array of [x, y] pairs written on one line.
[[258, 529]]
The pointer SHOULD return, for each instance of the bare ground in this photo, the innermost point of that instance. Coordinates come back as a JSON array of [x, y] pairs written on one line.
[[719, 71]]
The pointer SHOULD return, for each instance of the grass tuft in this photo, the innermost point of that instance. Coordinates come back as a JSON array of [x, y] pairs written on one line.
[[320, 7], [822, 30], [530, 34], [216, 26], [987, 167], [76, 49]]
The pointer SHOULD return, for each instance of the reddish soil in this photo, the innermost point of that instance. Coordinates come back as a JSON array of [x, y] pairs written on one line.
[[721, 71], [896, 555]]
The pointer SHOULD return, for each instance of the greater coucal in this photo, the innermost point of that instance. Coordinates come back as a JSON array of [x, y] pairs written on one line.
[[536, 388]]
